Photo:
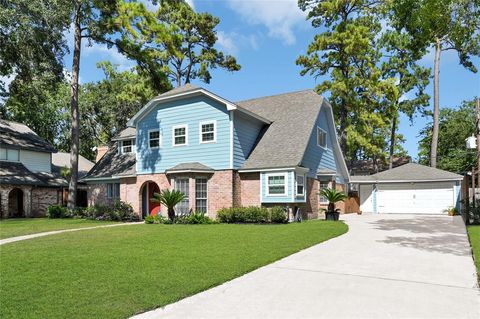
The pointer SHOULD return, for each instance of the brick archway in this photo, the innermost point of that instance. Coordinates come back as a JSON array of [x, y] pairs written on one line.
[[148, 207], [15, 203]]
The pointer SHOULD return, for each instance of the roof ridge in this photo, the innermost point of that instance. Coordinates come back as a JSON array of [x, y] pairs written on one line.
[[8, 121], [272, 95]]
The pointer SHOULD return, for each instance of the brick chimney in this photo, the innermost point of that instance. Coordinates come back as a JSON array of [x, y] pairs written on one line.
[[101, 150]]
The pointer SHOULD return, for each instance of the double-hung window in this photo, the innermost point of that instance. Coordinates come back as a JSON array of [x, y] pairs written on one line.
[[180, 135], [127, 146], [321, 138], [154, 139], [323, 185], [300, 180], [113, 190], [182, 185], [201, 194], [208, 132], [277, 184]]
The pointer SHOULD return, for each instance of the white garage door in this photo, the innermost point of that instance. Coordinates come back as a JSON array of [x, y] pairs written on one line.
[[417, 198]]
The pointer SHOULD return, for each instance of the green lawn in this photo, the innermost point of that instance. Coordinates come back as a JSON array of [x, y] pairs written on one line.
[[117, 272], [24, 226], [474, 235]]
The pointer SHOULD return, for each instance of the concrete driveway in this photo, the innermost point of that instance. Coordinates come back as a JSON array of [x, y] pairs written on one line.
[[386, 266]]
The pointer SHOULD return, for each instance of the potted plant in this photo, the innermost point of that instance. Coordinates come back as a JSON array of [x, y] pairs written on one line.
[[333, 196], [452, 211], [169, 198]]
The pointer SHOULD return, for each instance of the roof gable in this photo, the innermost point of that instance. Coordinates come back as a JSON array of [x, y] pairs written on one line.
[[20, 136]]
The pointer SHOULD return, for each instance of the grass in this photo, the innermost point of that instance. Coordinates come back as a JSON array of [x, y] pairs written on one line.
[[24, 226], [117, 272], [474, 236]]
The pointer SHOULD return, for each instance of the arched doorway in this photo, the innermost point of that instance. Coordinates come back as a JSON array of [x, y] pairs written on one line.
[[15, 203], [148, 206]]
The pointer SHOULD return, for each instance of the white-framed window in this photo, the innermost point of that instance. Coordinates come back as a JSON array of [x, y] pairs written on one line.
[[300, 185], [182, 184], [323, 185], [113, 190], [180, 135], [7, 154], [276, 184], [208, 131], [201, 194], [128, 146], [321, 137], [154, 139]]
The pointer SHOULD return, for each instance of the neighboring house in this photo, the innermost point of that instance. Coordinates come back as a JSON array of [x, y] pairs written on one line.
[[410, 188], [30, 178], [275, 150]]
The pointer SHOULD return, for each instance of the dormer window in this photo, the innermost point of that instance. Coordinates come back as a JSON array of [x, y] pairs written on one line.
[[208, 132], [180, 133], [10, 155], [127, 146], [321, 138]]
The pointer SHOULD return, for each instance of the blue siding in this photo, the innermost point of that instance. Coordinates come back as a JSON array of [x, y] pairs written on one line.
[[189, 111], [277, 199], [316, 157], [245, 134]]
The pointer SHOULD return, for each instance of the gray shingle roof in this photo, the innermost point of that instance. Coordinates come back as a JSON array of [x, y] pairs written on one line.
[[190, 167], [20, 136], [15, 173], [62, 159], [112, 164], [129, 132], [181, 89], [283, 143], [409, 172]]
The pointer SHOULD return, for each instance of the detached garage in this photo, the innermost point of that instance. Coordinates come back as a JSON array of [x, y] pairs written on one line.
[[409, 189]]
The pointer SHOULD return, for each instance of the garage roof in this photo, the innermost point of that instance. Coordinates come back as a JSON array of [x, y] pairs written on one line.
[[410, 172]]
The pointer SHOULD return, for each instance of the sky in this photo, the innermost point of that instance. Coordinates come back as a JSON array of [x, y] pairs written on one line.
[[266, 37]]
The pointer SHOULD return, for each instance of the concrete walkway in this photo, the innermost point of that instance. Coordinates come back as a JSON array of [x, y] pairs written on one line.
[[54, 232], [386, 266]]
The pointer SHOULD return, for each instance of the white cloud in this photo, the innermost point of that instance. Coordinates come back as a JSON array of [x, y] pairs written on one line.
[[280, 17], [231, 42]]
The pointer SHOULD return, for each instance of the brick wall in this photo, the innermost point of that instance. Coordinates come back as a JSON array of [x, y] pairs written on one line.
[[42, 198], [250, 189], [220, 191], [97, 194], [312, 205]]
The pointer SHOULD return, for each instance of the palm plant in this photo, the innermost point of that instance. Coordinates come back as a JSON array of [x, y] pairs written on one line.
[[169, 198], [333, 196]]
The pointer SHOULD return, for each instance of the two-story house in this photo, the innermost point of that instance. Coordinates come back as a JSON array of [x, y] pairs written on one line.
[[30, 172], [275, 150]]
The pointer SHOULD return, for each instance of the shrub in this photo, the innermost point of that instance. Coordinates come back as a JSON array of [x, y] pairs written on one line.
[[57, 211], [252, 214], [155, 219], [195, 218], [278, 215]]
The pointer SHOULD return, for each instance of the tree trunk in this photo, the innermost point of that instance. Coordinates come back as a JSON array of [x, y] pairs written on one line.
[[436, 104], [171, 213], [72, 187], [343, 134], [392, 138]]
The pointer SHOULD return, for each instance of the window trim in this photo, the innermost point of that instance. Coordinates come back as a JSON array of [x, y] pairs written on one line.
[[285, 176], [206, 198], [186, 134], [214, 122], [325, 132], [159, 139], [132, 144], [302, 184], [113, 188], [187, 195], [6, 155]]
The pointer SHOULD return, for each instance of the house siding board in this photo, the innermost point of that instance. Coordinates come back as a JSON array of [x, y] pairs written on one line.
[[316, 157], [288, 198], [190, 111], [36, 161], [245, 133]]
